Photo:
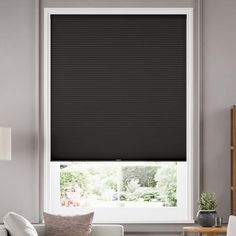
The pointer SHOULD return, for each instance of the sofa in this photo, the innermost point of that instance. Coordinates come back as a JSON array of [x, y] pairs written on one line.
[[97, 230]]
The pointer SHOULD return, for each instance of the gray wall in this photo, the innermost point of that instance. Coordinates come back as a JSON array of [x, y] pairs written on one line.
[[219, 93], [19, 178], [18, 90]]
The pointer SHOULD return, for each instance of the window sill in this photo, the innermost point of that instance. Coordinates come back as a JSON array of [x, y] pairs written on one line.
[[177, 222]]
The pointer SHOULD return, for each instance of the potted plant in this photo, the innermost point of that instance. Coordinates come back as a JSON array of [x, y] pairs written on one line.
[[207, 209]]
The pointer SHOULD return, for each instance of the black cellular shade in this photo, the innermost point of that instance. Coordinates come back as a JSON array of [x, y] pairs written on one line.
[[118, 87]]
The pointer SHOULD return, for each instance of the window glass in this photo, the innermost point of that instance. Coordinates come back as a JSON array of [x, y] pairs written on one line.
[[95, 184]]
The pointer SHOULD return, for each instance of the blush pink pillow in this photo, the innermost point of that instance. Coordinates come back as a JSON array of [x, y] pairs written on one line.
[[78, 225]]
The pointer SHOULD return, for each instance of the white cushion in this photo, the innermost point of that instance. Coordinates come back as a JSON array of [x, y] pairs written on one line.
[[17, 225], [231, 229]]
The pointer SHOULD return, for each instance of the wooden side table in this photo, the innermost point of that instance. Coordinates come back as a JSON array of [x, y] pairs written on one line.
[[205, 231]]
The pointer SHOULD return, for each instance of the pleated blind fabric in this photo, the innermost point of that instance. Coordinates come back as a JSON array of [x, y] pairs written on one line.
[[118, 87]]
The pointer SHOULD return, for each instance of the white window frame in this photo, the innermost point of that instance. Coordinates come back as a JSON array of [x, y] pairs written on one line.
[[166, 215], [124, 214]]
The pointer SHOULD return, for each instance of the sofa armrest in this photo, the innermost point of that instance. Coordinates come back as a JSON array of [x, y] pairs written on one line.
[[107, 230], [97, 230], [3, 231]]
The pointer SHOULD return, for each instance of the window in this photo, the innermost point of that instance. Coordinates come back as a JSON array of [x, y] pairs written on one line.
[[154, 188], [120, 192], [118, 184]]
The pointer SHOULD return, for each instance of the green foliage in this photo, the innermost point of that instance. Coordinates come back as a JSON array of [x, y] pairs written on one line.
[[70, 180], [111, 183], [145, 194], [101, 179], [145, 175], [154, 183], [150, 195], [99, 184], [126, 196], [133, 185], [207, 201], [166, 183]]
